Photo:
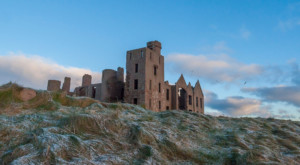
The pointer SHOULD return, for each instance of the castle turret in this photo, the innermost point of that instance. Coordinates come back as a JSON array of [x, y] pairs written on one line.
[[66, 84], [155, 46], [86, 80]]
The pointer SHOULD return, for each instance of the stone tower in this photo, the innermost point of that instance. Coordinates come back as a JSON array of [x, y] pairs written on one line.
[[66, 84], [86, 80], [145, 77], [53, 85]]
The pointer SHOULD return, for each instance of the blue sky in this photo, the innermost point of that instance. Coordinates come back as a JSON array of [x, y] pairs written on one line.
[[222, 43]]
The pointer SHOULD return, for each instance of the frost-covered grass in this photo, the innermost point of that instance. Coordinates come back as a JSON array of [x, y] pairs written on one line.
[[57, 129]]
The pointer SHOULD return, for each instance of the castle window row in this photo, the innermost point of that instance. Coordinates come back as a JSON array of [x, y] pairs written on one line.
[[201, 102]]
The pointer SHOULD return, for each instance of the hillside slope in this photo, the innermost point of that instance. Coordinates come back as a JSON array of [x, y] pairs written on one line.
[[53, 128]]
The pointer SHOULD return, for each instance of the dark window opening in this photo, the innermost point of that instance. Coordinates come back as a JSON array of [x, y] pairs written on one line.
[[182, 99], [136, 68], [135, 84], [190, 110], [167, 94], [130, 54], [201, 103], [190, 100], [150, 85], [159, 87], [94, 92], [135, 101], [159, 105], [155, 69], [196, 101], [167, 108], [142, 54]]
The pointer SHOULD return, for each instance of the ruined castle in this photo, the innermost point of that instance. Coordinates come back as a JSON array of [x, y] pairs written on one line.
[[144, 85]]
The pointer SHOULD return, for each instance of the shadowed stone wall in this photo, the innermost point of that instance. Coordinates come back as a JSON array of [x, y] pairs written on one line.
[[53, 85], [66, 85], [86, 80]]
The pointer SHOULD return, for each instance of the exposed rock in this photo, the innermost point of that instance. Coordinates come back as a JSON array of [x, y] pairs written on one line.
[[27, 94]]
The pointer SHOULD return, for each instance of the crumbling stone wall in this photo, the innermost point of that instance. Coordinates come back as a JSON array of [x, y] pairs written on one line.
[[112, 84], [86, 80], [144, 84], [53, 85], [198, 99], [66, 85]]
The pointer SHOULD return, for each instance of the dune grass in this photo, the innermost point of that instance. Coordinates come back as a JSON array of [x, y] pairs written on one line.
[[54, 128]]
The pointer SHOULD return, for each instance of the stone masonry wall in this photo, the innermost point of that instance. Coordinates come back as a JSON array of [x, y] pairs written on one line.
[[86, 80], [53, 85], [66, 85]]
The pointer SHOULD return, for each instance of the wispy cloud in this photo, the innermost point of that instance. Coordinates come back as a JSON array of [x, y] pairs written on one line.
[[289, 24], [219, 67], [245, 33], [219, 47], [282, 93], [34, 71], [236, 105], [288, 94], [291, 19]]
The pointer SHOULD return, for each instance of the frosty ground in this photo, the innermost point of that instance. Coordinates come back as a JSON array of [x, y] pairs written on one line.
[[53, 128]]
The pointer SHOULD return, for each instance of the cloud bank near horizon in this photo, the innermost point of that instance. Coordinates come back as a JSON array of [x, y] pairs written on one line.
[[236, 106], [215, 68], [35, 71]]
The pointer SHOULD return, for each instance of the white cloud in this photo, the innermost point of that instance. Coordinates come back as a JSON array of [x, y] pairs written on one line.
[[236, 105], [218, 67], [216, 48], [35, 71]]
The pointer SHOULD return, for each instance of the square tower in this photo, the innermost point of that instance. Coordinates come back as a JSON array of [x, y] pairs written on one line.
[[145, 77]]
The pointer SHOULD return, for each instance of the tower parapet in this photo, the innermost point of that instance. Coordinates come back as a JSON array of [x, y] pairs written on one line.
[[155, 46]]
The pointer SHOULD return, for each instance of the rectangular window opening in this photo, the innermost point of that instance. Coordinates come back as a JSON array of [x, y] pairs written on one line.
[[167, 94], [150, 85], [190, 100], [135, 101], [167, 108], [136, 68], [196, 101], [136, 84], [201, 103], [155, 69], [142, 54], [159, 87], [159, 105]]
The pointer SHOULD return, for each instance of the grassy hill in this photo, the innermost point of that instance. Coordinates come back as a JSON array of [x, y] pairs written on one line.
[[53, 128]]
